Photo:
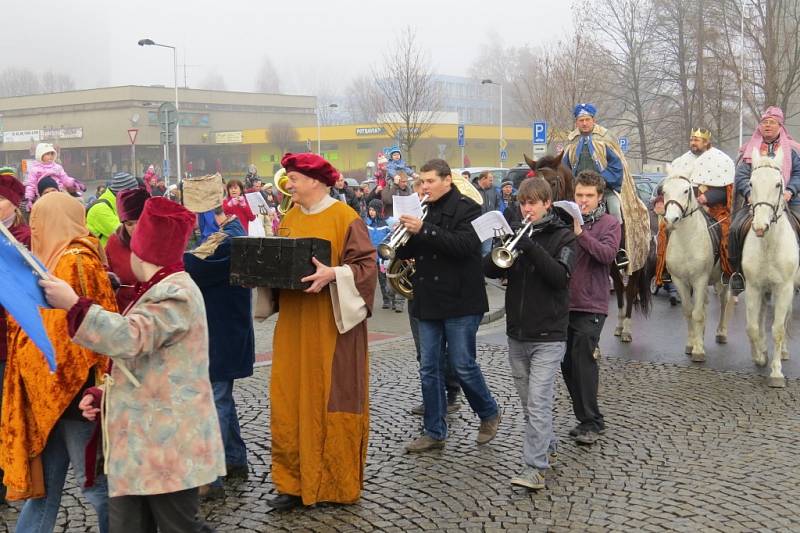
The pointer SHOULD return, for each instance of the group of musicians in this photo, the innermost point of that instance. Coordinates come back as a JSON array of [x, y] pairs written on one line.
[[556, 269]]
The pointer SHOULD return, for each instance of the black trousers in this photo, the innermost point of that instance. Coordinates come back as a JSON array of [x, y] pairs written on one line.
[[736, 239], [174, 512], [580, 369]]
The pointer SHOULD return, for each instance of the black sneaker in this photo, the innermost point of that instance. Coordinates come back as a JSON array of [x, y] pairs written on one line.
[[622, 259], [587, 438], [736, 283], [385, 305]]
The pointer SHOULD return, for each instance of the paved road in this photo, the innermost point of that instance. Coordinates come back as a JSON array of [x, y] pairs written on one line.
[[661, 338], [686, 449]]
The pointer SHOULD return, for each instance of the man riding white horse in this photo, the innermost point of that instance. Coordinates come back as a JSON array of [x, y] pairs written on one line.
[[592, 147], [711, 172], [770, 135]]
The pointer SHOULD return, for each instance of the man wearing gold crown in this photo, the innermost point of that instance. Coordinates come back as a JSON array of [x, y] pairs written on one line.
[[711, 172]]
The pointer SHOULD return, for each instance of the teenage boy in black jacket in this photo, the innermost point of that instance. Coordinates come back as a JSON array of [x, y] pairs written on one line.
[[537, 316]]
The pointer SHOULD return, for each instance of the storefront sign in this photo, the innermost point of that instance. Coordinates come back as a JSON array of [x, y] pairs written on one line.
[[62, 133], [370, 131], [22, 136], [227, 137]]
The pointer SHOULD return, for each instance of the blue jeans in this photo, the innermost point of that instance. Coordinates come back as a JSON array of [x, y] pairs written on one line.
[[534, 366], [486, 247], [459, 336], [235, 449], [451, 380], [66, 445]]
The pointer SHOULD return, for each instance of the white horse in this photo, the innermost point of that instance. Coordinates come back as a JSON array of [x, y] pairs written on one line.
[[769, 263], [690, 261]]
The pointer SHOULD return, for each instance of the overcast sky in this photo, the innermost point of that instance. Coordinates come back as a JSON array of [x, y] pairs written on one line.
[[316, 45]]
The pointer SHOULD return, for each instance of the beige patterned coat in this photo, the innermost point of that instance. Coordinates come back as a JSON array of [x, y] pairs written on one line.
[[164, 434]]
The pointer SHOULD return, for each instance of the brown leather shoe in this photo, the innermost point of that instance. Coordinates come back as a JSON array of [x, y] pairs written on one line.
[[423, 444], [488, 429]]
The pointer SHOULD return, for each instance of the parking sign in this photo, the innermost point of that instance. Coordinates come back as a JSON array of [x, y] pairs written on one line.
[[540, 132], [461, 135], [623, 144]]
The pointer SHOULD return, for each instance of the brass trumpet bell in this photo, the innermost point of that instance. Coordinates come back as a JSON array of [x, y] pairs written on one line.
[[280, 180]]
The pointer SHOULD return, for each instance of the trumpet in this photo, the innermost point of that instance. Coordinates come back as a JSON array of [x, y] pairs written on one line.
[[399, 236], [505, 254], [280, 180]]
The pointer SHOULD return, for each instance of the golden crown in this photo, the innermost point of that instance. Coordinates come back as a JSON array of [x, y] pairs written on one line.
[[702, 133]]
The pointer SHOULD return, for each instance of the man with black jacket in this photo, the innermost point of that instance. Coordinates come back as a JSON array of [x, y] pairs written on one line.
[[537, 315], [450, 300]]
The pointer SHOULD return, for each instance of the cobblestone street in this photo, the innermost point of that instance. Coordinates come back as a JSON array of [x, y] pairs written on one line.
[[686, 449]]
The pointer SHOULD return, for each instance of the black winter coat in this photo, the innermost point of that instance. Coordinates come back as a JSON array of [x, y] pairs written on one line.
[[537, 295], [231, 340], [448, 281]]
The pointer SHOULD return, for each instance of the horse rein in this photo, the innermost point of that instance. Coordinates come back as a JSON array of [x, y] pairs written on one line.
[[684, 213], [774, 207]]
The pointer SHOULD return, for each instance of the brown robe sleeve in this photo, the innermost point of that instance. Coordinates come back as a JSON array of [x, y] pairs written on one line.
[[354, 289]]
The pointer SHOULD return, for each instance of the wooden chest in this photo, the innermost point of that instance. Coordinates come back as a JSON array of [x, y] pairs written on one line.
[[277, 262]]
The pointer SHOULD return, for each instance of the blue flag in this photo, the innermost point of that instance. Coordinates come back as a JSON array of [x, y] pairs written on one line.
[[22, 297]]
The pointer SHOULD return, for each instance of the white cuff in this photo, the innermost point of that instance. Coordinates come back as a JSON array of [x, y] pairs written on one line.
[[349, 308]]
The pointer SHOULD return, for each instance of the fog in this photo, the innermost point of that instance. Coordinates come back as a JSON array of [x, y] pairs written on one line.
[[316, 46]]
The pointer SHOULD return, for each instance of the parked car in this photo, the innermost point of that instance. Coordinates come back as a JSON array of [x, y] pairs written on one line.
[[474, 172]]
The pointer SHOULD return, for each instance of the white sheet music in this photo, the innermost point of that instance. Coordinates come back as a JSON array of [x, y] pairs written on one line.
[[256, 202], [571, 208], [491, 224], [406, 205]]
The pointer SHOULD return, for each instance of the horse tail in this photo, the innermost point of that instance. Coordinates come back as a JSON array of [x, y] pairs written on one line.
[[644, 298]]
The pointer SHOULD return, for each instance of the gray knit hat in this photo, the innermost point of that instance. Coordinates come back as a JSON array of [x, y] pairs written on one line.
[[122, 181]]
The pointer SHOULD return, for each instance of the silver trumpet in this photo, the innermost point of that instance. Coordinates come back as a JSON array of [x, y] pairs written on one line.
[[505, 254], [399, 236]]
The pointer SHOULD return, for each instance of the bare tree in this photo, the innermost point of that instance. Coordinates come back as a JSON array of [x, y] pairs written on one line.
[[283, 134], [267, 79], [410, 103], [364, 99], [56, 82], [213, 81], [15, 81]]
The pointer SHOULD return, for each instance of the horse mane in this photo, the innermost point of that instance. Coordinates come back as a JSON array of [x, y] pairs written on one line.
[[557, 175]]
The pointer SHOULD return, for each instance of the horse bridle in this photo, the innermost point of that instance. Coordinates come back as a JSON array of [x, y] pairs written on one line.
[[683, 209], [775, 207]]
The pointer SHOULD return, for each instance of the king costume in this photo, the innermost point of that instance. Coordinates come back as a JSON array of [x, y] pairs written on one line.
[[319, 393]]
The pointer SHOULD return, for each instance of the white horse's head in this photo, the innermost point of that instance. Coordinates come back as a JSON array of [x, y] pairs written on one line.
[[678, 196], [766, 190]]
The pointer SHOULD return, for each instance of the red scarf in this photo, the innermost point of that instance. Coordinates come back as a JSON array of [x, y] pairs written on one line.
[[142, 288]]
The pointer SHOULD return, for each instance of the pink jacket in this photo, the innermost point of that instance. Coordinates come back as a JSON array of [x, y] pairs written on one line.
[[38, 170]]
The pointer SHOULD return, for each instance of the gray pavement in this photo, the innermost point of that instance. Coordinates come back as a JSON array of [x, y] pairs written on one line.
[[686, 449]]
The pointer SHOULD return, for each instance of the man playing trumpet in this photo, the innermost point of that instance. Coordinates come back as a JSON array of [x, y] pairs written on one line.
[[537, 316], [450, 300]]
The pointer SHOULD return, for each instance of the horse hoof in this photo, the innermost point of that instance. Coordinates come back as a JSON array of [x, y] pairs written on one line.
[[722, 339], [776, 382], [618, 331], [785, 356], [698, 358], [688, 349], [760, 360], [626, 337]]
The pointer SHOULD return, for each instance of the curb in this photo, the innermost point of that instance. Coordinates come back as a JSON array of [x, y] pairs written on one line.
[[493, 316]]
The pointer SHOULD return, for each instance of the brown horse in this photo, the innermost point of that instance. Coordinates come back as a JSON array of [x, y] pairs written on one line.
[[557, 175], [633, 293]]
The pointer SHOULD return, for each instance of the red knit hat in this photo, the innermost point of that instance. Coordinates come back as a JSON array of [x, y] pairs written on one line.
[[311, 165], [162, 232], [10, 187], [130, 203]]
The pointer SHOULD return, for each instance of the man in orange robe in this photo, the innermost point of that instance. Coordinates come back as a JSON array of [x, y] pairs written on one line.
[[319, 390]]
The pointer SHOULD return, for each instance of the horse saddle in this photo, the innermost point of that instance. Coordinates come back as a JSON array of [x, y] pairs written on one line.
[[794, 221]]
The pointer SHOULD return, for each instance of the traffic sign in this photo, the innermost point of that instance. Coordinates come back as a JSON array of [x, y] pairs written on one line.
[[166, 167], [540, 132], [132, 135], [503, 144], [539, 149], [503, 155], [461, 139], [623, 144]]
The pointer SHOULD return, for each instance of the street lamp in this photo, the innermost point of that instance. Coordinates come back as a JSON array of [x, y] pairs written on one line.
[[319, 142], [502, 139], [150, 42]]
